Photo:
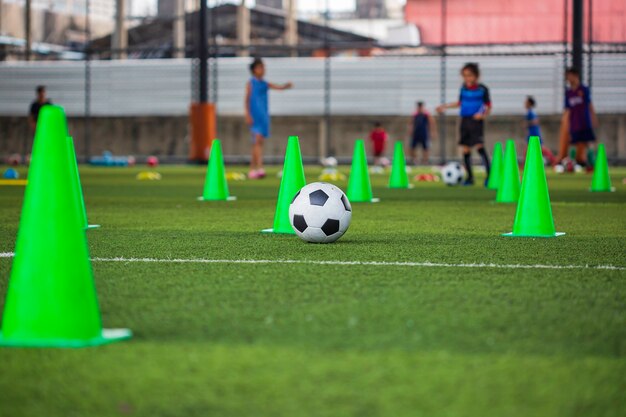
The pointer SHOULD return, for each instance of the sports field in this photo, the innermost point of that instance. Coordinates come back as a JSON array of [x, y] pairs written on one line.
[[421, 309]]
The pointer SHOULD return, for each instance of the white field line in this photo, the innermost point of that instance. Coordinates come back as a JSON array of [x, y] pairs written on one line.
[[346, 263]]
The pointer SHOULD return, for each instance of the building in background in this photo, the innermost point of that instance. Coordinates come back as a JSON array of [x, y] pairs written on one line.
[[395, 9], [57, 27], [512, 21], [167, 8], [154, 39], [273, 4], [99, 9], [371, 9]]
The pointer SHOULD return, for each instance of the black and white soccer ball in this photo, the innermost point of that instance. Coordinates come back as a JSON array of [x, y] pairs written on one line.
[[452, 173], [320, 213]]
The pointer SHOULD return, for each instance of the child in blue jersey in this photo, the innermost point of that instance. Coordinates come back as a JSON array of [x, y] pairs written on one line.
[[258, 114], [475, 103], [422, 127], [532, 124], [580, 117]]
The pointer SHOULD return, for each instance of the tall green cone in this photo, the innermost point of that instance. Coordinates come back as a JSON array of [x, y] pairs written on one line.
[[497, 168], [51, 299], [359, 186], [399, 177], [601, 181], [292, 181], [534, 212], [508, 191], [77, 189], [215, 185]]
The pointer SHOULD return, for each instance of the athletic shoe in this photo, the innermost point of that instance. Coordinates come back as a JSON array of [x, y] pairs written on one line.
[[261, 173], [468, 182], [254, 175]]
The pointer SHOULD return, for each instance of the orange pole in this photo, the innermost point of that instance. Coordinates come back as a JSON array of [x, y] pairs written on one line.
[[203, 130]]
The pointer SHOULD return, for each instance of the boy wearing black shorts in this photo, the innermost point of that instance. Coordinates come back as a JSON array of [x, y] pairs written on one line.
[[475, 103]]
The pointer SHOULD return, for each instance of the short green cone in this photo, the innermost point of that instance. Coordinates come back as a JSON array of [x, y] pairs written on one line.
[[534, 212], [497, 168], [77, 188], [601, 181], [508, 191], [215, 185], [291, 182], [359, 186], [51, 299], [399, 177]]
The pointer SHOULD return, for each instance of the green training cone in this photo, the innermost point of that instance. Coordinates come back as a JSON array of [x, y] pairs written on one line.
[[51, 299], [601, 181], [77, 188], [399, 177], [292, 181], [495, 175], [508, 191], [215, 185], [359, 186], [534, 212]]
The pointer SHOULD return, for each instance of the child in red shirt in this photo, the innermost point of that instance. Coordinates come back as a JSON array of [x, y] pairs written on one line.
[[378, 136]]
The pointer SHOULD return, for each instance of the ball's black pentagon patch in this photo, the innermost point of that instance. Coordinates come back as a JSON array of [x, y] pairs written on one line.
[[299, 223], [318, 198], [449, 173], [330, 227], [295, 196], [345, 202]]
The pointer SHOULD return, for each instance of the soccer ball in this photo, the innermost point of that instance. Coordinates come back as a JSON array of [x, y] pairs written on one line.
[[452, 173], [320, 213]]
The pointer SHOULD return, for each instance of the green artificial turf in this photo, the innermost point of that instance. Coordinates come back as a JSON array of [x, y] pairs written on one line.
[[304, 339]]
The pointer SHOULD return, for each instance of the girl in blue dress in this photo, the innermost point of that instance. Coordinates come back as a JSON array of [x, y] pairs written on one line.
[[258, 115]]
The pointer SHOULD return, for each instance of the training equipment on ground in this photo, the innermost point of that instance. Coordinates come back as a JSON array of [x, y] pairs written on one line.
[[108, 160], [426, 178], [331, 175], [497, 167], [235, 176], [452, 173], [215, 184], [601, 181], [148, 176], [77, 188], [399, 177], [359, 185], [508, 191], [51, 299], [320, 213], [533, 217], [10, 174], [14, 182], [152, 161], [291, 182]]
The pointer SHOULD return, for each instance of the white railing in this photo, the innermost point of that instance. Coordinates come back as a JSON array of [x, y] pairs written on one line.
[[359, 86]]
